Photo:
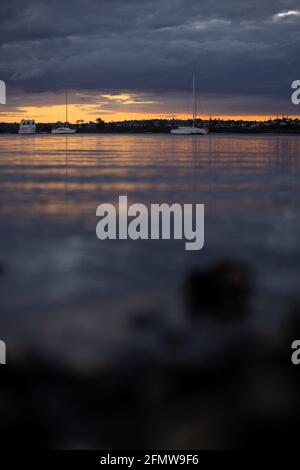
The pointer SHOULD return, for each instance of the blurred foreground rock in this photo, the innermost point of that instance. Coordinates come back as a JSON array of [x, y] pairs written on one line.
[[2, 269], [247, 400], [223, 290], [241, 393]]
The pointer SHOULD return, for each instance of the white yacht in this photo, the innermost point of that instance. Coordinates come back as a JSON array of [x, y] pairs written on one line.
[[188, 130], [27, 126], [64, 129]]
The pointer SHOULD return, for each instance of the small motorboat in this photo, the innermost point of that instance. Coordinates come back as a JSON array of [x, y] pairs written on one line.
[[27, 127]]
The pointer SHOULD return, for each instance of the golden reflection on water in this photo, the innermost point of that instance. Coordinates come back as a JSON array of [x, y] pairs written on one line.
[[66, 177]]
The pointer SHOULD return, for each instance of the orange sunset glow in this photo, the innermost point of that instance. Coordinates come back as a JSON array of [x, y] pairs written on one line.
[[89, 113]]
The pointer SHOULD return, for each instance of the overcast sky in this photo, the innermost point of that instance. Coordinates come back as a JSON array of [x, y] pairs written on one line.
[[137, 56]]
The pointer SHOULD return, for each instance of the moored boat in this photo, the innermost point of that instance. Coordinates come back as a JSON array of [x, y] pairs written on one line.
[[194, 129], [27, 127], [64, 129]]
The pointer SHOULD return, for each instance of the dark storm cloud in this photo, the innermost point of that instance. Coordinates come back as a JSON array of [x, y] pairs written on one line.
[[238, 48]]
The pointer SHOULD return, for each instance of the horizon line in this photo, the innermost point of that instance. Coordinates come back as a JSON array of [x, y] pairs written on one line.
[[225, 117]]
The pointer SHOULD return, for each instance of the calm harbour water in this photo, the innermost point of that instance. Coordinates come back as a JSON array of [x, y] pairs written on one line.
[[67, 294]]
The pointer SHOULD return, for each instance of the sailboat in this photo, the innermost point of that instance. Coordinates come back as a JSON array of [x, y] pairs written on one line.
[[64, 129], [187, 130]]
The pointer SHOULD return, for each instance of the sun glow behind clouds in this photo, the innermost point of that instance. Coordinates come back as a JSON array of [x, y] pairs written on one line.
[[126, 98], [89, 113], [127, 105]]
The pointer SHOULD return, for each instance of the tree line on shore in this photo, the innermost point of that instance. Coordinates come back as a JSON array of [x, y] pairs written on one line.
[[283, 124]]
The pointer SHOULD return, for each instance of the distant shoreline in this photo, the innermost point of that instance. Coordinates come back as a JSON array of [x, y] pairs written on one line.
[[144, 132], [282, 125], [127, 132]]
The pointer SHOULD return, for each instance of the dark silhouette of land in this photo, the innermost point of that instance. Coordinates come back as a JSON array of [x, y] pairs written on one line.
[[278, 125]]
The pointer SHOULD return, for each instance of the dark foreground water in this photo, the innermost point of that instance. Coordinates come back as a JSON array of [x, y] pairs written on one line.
[[71, 295], [141, 344]]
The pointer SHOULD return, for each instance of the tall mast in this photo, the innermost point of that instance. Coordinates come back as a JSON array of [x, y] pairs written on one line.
[[66, 107], [194, 98]]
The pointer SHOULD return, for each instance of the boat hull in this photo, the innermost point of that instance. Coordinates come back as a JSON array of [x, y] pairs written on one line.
[[189, 131], [28, 131], [63, 131]]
